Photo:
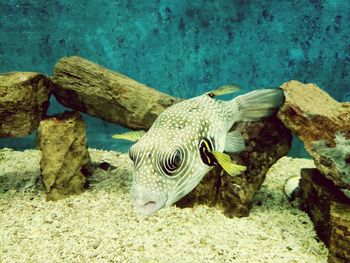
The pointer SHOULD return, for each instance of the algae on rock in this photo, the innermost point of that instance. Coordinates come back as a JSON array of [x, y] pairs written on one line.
[[338, 155]]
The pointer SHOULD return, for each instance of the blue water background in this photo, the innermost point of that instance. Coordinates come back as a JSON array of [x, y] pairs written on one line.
[[181, 47]]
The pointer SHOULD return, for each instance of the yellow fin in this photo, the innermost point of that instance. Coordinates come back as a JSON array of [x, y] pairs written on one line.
[[225, 162], [132, 136], [225, 89]]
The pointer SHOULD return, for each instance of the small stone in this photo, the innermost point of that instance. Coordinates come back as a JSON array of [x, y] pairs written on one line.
[[203, 241], [96, 243]]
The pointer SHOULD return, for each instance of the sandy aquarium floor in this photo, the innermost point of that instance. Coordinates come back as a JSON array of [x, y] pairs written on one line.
[[100, 225]]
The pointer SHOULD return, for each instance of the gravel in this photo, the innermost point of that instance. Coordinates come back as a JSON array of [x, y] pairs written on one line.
[[100, 225]]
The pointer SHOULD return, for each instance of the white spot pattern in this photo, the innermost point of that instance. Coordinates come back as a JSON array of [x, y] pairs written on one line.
[[178, 128]]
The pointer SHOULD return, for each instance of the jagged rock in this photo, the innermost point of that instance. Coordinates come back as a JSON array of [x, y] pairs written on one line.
[[65, 159], [24, 99], [93, 89], [266, 141], [329, 209], [323, 124]]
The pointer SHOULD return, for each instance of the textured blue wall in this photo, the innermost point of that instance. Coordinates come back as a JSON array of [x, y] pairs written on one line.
[[182, 47]]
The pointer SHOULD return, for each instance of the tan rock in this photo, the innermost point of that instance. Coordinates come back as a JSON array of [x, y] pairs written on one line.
[[323, 124], [65, 159], [24, 99], [93, 89]]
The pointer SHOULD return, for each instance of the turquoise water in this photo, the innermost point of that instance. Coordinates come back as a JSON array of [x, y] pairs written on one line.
[[182, 47]]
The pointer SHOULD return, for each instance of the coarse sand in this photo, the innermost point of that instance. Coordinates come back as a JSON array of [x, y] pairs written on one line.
[[101, 225]]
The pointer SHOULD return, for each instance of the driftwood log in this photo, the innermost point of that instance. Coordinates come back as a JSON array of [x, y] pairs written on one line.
[[87, 87]]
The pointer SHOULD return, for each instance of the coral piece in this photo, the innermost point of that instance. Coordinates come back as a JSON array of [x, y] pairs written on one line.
[[65, 159], [266, 141], [88, 87], [323, 124], [329, 209], [24, 99]]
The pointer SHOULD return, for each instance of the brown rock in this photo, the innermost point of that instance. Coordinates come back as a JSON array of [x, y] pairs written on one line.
[[93, 89], [24, 99], [323, 124], [329, 209], [266, 141], [65, 159]]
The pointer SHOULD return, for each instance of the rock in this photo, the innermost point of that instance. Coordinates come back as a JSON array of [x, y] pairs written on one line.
[[65, 160], [323, 124], [93, 89], [24, 99], [266, 141], [339, 245], [329, 209]]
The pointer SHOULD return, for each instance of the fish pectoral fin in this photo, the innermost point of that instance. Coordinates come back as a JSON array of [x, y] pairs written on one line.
[[225, 162], [223, 90], [132, 136], [234, 142]]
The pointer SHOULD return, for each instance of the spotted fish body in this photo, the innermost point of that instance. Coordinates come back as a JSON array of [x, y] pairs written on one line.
[[175, 154]]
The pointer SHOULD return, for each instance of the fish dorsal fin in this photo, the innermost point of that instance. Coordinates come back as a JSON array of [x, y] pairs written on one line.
[[223, 90], [132, 136], [225, 162], [234, 142]]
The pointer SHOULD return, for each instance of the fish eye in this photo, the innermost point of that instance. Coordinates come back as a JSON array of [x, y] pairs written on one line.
[[172, 163]]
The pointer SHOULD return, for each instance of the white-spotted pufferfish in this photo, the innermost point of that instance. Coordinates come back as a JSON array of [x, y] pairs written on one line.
[[187, 140]]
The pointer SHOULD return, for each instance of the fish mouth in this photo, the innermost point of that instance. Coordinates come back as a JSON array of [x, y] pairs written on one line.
[[147, 208]]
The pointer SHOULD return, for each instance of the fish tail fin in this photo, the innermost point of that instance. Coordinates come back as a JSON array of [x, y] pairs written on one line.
[[259, 103]]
